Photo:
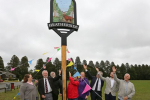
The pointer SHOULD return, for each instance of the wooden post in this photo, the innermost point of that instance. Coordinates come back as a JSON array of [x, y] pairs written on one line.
[[63, 29], [63, 50], [5, 90]]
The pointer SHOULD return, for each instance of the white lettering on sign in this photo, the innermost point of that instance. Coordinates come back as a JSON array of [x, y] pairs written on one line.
[[62, 25]]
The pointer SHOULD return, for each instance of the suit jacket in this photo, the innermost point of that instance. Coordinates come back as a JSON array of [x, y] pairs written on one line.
[[41, 87], [108, 88], [93, 80], [57, 86]]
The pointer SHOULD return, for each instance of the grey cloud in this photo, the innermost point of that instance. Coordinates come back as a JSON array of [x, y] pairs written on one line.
[[109, 30]]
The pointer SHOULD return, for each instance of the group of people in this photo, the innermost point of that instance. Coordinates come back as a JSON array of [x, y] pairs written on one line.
[[48, 86]]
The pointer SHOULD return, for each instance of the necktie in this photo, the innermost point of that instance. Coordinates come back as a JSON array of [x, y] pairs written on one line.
[[46, 86], [96, 88]]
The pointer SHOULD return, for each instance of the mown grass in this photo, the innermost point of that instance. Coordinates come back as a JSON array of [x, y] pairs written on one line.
[[142, 89]]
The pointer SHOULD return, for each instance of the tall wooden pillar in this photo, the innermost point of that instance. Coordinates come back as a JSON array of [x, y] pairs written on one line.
[[63, 50], [63, 28]]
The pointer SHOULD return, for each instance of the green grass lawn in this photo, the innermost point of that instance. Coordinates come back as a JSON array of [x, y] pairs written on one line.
[[142, 91]]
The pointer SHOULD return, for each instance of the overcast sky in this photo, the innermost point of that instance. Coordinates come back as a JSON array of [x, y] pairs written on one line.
[[114, 30]]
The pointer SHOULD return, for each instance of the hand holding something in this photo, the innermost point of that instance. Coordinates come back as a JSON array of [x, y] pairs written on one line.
[[84, 66]]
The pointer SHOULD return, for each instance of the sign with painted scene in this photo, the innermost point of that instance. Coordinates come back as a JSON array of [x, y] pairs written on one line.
[[63, 14]]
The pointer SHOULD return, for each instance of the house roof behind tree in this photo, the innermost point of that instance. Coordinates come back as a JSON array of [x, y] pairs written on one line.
[[7, 74]]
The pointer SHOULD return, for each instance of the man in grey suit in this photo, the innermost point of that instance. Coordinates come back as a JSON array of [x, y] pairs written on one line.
[[126, 88], [111, 86]]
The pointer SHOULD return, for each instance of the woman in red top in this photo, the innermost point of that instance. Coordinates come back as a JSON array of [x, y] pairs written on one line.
[[72, 89]]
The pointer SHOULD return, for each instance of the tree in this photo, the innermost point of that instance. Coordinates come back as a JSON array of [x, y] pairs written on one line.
[[132, 72], [127, 66], [84, 62], [77, 61], [107, 67], [71, 9], [47, 59], [23, 69], [122, 70], [102, 64], [139, 71], [145, 72], [112, 64], [97, 64], [14, 62], [102, 68], [91, 64], [31, 71], [57, 64], [78, 64], [148, 72], [38, 66], [91, 68], [1, 64], [118, 71]]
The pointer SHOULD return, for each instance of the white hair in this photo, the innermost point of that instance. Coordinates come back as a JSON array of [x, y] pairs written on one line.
[[52, 73], [44, 71], [127, 74], [101, 73]]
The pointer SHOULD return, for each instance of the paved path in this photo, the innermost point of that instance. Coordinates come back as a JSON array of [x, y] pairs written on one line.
[[3, 85]]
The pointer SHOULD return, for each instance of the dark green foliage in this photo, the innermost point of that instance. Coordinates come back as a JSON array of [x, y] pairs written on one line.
[[137, 72], [1, 64], [14, 62], [122, 70], [21, 68], [91, 64], [77, 61], [38, 66]]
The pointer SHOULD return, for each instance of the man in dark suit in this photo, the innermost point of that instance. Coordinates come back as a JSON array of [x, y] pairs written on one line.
[[96, 85], [46, 86], [57, 86]]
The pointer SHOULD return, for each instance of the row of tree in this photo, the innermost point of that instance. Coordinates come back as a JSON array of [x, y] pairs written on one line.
[[137, 72]]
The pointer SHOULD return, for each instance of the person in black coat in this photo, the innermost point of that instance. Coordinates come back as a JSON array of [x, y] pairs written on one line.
[[96, 85], [57, 86], [46, 86]]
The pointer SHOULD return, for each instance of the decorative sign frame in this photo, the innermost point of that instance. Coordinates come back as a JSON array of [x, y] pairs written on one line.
[[63, 14]]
